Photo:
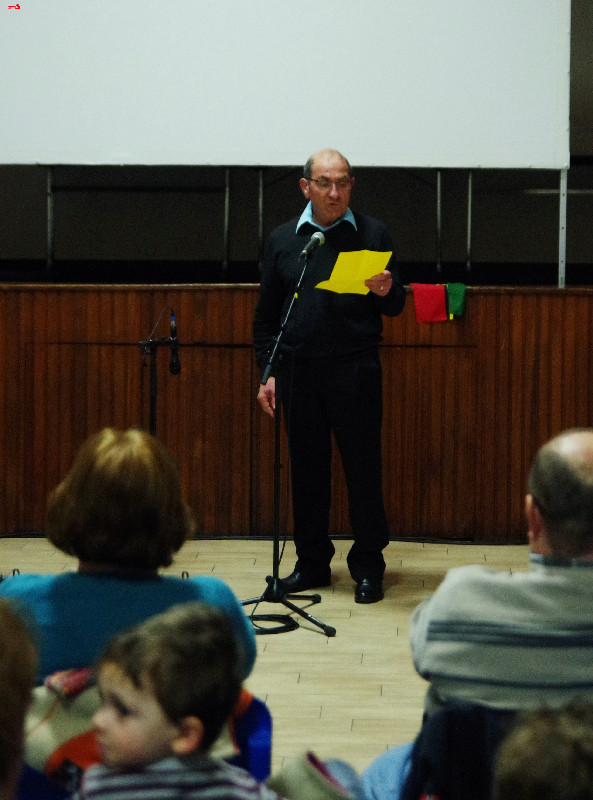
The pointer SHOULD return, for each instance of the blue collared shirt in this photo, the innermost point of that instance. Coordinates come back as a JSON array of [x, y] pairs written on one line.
[[307, 216]]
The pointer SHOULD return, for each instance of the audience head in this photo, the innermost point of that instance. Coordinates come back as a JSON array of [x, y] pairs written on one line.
[[547, 756], [121, 503], [559, 503], [168, 686], [18, 665]]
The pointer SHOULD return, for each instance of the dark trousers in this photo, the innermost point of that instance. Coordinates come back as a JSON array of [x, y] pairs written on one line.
[[344, 397]]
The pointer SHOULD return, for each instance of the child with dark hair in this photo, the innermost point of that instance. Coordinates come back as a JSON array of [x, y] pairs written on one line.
[[168, 686]]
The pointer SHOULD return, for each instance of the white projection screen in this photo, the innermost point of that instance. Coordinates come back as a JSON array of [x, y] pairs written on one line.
[[418, 83]]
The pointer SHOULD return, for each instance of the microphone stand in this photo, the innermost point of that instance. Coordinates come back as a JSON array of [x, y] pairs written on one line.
[[275, 592], [150, 346]]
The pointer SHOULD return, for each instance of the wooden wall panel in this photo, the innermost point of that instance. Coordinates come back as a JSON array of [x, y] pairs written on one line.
[[71, 401], [535, 381], [428, 454], [466, 403], [262, 473], [207, 424]]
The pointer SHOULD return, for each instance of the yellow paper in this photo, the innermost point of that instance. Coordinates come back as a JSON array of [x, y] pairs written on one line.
[[352, 269]]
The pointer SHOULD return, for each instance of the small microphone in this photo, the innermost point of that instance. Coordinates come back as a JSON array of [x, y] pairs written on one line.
[[174, 365], [317, 239]]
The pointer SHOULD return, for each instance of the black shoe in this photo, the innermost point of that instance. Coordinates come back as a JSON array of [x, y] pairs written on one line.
[[368, 591], [298, 581]]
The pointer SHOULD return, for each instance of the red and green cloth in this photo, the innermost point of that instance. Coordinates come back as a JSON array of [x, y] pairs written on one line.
[[438, 302]]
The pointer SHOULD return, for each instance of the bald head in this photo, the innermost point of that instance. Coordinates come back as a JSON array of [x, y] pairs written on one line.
[[325, 156], [576, 446], [561, 484]]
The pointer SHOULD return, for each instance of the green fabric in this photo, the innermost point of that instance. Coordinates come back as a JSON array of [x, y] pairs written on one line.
[[456, 299]]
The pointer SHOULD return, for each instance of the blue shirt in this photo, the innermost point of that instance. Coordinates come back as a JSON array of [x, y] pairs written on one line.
[[76, 614], [307, 216]]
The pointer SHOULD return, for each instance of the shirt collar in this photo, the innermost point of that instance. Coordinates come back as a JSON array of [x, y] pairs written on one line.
[[559, 561], [307, 217]]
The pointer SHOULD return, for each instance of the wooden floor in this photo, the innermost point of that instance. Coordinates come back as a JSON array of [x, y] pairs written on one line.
[[349, 696]]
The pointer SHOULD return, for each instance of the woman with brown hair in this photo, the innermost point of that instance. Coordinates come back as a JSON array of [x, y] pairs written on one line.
[[121, 512]]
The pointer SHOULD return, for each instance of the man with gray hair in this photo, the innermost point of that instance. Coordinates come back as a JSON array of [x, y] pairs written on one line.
[[515, 641], [526, 639]]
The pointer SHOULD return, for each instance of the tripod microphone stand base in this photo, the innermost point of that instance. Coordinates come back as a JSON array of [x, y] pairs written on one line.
[[275, 594]]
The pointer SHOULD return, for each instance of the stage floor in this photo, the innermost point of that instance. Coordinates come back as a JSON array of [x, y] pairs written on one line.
[[349, 696]]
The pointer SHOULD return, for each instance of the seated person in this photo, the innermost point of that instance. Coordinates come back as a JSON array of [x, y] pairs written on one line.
[[18, 663], [167, 687], [513, 641], [121, 512], [547, 756]]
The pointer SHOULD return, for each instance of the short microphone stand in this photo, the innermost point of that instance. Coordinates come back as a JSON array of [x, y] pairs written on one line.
[[151, 346], [275, 592]]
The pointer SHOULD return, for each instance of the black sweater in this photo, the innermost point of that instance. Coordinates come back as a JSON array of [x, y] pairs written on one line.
[[322, 324]]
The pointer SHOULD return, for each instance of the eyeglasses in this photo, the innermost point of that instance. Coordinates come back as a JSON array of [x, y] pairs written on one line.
[[325, 183]]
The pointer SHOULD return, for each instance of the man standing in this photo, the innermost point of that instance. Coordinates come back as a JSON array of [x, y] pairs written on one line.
[[329, 373]]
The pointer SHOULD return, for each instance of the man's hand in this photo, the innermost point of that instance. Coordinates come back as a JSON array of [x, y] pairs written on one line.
[[266, 396], [380, 284]]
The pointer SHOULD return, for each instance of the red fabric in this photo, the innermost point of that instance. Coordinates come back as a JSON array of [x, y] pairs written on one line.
[[241, 708], [429, 301], [82, 750], [70, 682]]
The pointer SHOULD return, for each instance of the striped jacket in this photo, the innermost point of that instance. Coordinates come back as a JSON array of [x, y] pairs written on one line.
[[507, 640], [203, 778]]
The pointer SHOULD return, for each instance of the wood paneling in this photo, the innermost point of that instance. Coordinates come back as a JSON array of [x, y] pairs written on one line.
[[466, 402]]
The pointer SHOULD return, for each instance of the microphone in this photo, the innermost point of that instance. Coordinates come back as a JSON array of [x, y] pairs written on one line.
[[317, 239], [174, 365]]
